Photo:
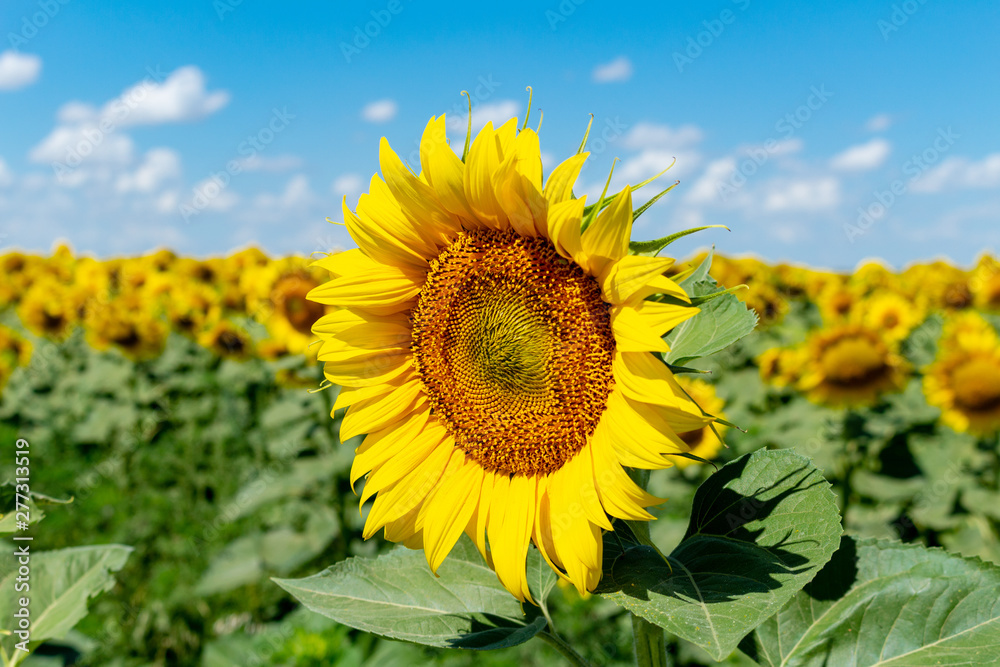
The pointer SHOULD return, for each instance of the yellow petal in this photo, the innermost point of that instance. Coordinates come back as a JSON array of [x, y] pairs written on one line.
[[577, 543], [510, 533], [662, 317], [477, 530], [542, 535], [350, 395], [416, 199], [381, 240], [379, 210], [480, 165], [564, 220], [576, 479], [376, 413], [517, 184], [642, 377], [347, 262], [444, 170], [451, 507], [660, 285], [408, 495], [620, 496], [606, 240], [369, 370], [631, 332], [634, 450], [376, 288], [624, 278], [380, 446], [393, 468], [559, 187]]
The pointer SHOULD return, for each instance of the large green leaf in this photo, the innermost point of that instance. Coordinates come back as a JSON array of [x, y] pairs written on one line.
[[396, 595], [761, 527], [721, 322], [880, 602], [61, 582]]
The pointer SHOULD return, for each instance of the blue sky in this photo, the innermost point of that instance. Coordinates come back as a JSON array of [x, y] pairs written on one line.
[[822, 133]]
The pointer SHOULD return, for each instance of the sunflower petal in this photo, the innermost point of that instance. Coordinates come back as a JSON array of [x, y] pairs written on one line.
[[417, 200], [452, 506], [444, 170], [559, 187], [621, 280], [510, 533], [632, 334], [606, 240], [376, 413]]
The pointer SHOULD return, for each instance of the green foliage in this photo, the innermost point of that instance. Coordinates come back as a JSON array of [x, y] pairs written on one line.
[[760, 529], [879, 602], [396, 595]]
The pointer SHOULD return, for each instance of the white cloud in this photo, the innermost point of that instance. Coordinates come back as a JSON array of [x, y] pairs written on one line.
[[72, 145], [802, 195], [619, 69], [642, 136], [160, 166], [181, 97], [380, 111], [347, 184], [879, 123], [706, 188], [6, 176], [297, 194], [496, 112], [210, 195], [862, 157], [958, 173], [18, 70], [277, 163]]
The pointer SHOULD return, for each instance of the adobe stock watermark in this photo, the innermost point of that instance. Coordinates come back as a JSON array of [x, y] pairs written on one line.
[[714, 28], [915, 167], [223, 7], [786, 126], [562, 12], [901, 13], [363, 35], [210, 189], [30, 25], [94, 134]]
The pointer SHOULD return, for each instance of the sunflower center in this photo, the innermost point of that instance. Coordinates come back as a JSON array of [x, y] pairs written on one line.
[[514, 346], [853, 362], [977, 385]]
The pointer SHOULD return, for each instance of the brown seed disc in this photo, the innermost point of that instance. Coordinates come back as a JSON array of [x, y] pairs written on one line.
[[514, 346]]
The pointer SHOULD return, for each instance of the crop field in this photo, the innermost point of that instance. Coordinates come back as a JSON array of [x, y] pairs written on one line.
[[181, 453]]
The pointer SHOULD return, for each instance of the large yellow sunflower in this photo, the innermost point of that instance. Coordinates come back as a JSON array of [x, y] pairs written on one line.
[[964, 380], [500, 357], [850, 365]]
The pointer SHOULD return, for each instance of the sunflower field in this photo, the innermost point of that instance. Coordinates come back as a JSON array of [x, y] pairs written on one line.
[[187, 472]]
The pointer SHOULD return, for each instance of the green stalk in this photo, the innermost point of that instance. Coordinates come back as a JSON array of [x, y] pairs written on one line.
[[650, 644], [567, 651]]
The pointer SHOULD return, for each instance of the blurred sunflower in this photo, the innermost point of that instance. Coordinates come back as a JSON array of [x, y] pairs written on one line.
[[837, 301], [703, 442], [770, 306], [495, 342], [850, 365], [227, 340], [14, 351], [890, 314], [964, 380], [129, 323], [277, 295], [782, 366], [51, 308], [985, 283]]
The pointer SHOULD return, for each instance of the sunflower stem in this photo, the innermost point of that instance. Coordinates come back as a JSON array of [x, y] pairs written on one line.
[[650, 644], [567, 651]]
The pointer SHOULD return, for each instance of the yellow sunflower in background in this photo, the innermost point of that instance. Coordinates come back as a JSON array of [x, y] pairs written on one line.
[[51, 308], [964, 380], [850, 365], [128, 323], [837, 301], [985, 283], [14, 351], [703, 442], [891, 314], [500, 357], [227, 340], [277, 296], [782, 366]]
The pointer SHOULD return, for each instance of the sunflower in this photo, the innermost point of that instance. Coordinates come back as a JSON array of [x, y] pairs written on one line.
[[964, 380], [837, 301], [227, 340], [494, 339], [128, 323], [891, 314], [850, 365], [277, 296], [782, 366], [14, 352], [985, 283], [51, 308], [703, 442]]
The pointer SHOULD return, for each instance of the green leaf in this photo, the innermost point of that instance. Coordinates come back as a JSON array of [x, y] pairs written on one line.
[[722, 321], [62, 582], [396, 595], [652, 248], [760, 529], [880, 602]]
